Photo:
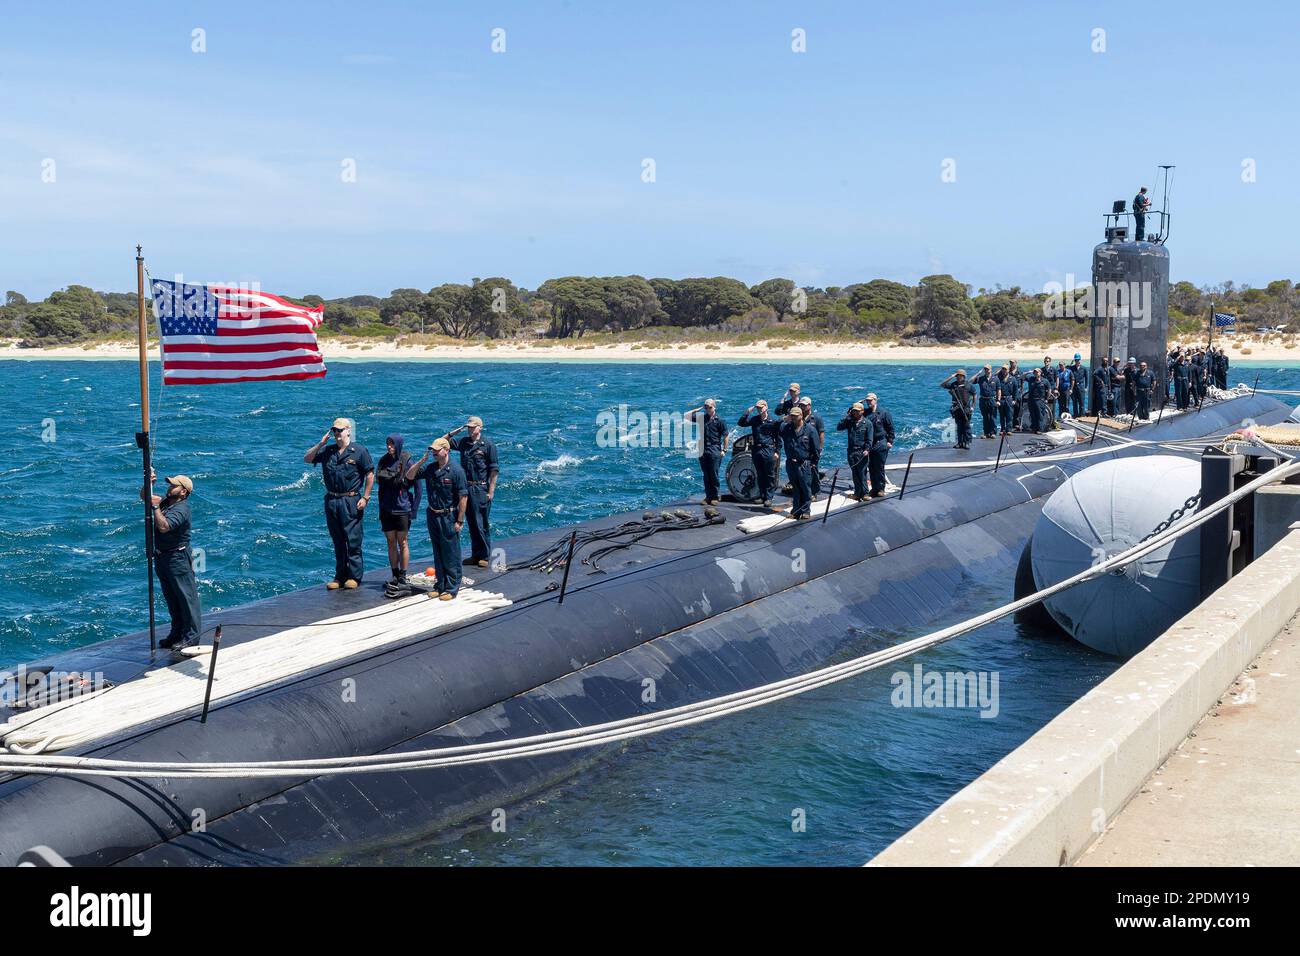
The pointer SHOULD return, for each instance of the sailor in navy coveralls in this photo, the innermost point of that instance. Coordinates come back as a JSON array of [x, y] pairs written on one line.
[[478, 459], [446, 494], [349, 476]]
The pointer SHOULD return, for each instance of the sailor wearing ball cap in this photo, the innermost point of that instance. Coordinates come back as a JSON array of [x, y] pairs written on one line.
[[349, 474], [764, 431], [882, 441], [1078, 385], [478, 459], [172, 561], [962, 407], [712, 445], [861, 436], [445, 496]]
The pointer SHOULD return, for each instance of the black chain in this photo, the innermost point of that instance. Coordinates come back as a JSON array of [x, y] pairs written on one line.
[[1177, 513]]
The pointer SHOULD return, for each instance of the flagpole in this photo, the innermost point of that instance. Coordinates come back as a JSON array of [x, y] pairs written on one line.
[[142, 440]]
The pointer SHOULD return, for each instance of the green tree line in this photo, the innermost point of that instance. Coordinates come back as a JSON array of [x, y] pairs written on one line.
[[938, 309]]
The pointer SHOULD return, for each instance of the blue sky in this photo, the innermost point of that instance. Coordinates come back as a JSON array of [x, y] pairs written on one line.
[[822, 166]]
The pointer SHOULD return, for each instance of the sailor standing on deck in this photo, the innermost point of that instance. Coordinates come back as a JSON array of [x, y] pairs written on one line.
[[172, 562], [883, 440], [398, 500], [800, 440], [346, 467], [1036, 393], [1048, 373], [1182, 369], [1141, 203], [765, 431], [1017, 392], [819, 426], [446, 497], [713, 445], [988, 391], [1144, 381], [860, 439], [1078, 385], [1005, 386], [1131, 386], [478, 459], [962, 406]]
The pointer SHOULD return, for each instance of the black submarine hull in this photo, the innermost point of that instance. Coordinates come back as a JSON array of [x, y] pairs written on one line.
[[719, 611]]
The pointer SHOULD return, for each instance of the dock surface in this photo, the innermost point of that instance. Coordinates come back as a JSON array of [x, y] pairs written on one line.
[[1228, 794]]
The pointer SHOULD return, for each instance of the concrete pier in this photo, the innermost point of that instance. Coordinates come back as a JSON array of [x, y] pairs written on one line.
[[1229, 794], [1119, 764]]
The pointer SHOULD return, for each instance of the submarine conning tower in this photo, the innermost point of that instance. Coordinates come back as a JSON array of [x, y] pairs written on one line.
[[1130, 282]]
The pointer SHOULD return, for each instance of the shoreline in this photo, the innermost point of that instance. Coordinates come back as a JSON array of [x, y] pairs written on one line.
[[837, 352]]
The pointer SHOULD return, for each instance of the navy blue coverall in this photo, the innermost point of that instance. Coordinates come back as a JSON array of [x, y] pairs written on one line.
[[814, 472], [988, 387], [861, 436], [1181, 396], [883, 437], [478, 459], [1005, 398], [1130, 388], [765, 433], [1078, 385], [444, 490], [345, 475], [961, 410], [800, 444], [1036, 391], [712, 432], [1144, 381], [175, 569]]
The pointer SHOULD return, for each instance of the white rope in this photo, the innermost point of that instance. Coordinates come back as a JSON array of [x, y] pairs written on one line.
[[631, 727], [240, 667]]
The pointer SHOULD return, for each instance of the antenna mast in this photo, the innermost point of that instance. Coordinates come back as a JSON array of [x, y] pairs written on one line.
[[1164, 204]]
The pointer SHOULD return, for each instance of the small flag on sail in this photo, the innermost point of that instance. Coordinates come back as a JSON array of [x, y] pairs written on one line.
[[1223, 318], [213, 334]]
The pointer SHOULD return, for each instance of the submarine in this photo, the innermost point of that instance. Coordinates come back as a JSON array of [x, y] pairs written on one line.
[[621, 616]]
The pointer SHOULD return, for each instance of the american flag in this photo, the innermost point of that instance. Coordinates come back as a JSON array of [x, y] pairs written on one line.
[[213, 334]]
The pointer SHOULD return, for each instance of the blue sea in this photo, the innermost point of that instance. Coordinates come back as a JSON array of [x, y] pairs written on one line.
[[828, 778]]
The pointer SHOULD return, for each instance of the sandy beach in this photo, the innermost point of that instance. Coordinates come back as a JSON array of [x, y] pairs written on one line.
[[1240, 350]]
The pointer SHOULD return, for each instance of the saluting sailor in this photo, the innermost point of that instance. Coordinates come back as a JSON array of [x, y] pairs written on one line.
[[713, 446], [882, 424], [446, 496], [478, 459], [800, 440], [349, 476], [861, 436], [819, 426], [765, 432]]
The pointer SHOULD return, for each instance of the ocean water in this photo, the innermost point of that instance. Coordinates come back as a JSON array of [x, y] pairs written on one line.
[[828, 778]]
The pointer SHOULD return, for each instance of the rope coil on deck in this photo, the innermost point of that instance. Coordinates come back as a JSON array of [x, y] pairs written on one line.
[[628, 728]]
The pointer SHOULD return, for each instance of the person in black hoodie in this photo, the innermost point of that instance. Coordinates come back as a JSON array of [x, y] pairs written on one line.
[[398, 501]]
